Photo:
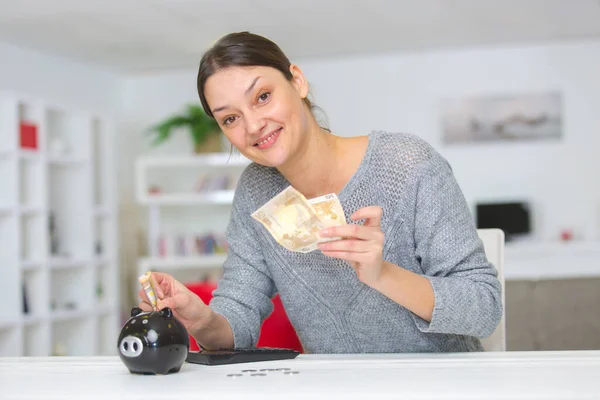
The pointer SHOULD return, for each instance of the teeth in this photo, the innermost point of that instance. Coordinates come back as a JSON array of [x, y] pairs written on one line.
[[268, 139]]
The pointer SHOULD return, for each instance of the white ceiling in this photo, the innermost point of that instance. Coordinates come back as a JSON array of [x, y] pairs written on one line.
[[145, 35]]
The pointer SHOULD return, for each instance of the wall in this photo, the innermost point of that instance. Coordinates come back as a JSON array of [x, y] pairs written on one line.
[[401, 92], [54, 78]]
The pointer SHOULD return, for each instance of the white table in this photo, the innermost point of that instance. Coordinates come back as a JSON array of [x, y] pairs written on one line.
[[540, 375]]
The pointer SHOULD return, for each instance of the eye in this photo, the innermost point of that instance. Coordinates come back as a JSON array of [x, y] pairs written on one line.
[[228, 121], [264, 97]]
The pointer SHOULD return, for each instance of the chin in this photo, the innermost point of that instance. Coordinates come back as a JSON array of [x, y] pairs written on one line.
[[274, 162], [274, 157]]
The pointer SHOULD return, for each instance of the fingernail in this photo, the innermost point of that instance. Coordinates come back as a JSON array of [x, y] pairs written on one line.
[[324, 232]]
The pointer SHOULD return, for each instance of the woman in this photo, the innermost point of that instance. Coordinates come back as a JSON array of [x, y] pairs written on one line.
[[409, 274]]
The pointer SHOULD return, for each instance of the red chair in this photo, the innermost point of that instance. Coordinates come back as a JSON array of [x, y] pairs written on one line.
[[276, 331]]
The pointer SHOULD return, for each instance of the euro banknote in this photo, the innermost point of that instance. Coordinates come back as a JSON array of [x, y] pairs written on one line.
[[295, 222]]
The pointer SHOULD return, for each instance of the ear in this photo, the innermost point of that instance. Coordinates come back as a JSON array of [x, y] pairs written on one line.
[[136, 311], [299, 80], [166, 312]]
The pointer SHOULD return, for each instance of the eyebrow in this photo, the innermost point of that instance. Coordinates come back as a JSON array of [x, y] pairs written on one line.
[[216, 110]]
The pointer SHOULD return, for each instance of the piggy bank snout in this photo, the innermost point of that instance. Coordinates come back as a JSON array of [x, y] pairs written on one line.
[[131, 346]]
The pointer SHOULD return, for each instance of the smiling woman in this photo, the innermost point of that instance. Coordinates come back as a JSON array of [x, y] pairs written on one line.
[[263, 87], [408, 273]]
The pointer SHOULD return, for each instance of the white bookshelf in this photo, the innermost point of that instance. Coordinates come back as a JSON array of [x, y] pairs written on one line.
[[59, 291], [174, 263], [182, 209]]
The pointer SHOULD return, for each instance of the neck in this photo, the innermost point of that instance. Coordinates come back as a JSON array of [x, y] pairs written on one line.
[[314, 169]]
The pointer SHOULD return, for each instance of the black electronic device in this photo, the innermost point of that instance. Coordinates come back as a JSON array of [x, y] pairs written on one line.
[[513, 218], [239, 355]]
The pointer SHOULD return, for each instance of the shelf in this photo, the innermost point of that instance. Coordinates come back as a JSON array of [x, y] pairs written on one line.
[[101, 261], [67, 263], [106, 309], [215, 171], [216, 197], [30, 265], [222, 160], [30, 155], [66, 161], [52, 200], [68, 315], [32, 319], [208, 261], [8, 324], [25, 211], [197, 203], [29, 210]]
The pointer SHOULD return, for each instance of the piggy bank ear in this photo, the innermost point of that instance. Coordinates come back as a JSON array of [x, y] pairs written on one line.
[[166, 312], [136, 311]]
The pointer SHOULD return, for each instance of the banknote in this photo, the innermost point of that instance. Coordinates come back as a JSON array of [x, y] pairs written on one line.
[[329, 210], [291, 220]]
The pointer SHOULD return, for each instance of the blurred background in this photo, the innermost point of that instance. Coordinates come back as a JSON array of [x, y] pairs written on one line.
[[92, 196]]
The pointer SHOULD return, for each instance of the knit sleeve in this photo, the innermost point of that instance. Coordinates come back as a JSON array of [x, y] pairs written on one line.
[[243, 296], [465, 285]]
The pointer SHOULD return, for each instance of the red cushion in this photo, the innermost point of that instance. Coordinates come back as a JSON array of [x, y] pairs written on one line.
[[276, 331]]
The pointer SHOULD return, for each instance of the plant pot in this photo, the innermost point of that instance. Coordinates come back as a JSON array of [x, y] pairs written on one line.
[[212, 144]]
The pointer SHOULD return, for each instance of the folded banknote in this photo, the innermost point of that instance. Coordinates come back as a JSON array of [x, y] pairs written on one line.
[[295, 222]]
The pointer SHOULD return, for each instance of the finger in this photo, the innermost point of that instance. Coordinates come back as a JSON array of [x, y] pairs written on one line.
[[349, 256], [173, 302], [357, 246], [371, 215], [146, 307], [349, 231], [155, 277]]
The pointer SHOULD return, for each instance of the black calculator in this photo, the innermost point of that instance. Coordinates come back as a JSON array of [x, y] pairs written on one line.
[[239, 355]]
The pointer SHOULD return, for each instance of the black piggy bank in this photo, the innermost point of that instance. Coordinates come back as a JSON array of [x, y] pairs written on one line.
[[153, 343]]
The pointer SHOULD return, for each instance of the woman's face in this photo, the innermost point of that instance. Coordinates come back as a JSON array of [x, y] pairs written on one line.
[[260, 112]]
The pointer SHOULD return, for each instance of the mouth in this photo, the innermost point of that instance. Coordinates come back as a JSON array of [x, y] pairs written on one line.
[[267, 140]]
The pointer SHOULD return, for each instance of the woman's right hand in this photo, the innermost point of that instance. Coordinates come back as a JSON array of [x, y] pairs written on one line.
[[187, 307]]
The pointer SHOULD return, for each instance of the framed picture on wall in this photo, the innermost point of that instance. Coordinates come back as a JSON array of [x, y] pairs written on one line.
[[508, 118]]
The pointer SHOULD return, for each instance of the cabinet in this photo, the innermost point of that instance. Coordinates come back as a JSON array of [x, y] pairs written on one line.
[[58, 252], [187, 200]]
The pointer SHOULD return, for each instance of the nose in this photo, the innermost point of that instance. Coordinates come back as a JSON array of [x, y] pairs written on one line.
[[254, 123], [131, 346]]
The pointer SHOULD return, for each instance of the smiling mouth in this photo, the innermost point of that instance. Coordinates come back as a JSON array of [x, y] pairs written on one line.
[[268, 138]]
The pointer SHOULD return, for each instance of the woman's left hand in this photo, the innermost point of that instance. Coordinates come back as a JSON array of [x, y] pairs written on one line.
[[361, 245]]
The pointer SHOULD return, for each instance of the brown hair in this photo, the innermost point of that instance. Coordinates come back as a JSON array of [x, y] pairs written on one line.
[[242, 49]]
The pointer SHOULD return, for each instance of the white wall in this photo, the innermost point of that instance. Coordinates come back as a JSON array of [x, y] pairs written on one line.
[[402, 92], [57, 79]]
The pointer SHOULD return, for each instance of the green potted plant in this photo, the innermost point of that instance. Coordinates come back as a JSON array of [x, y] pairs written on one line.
[[204, 130]]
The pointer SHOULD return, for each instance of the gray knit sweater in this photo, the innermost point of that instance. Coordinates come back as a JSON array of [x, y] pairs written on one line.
[[428, 229]]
